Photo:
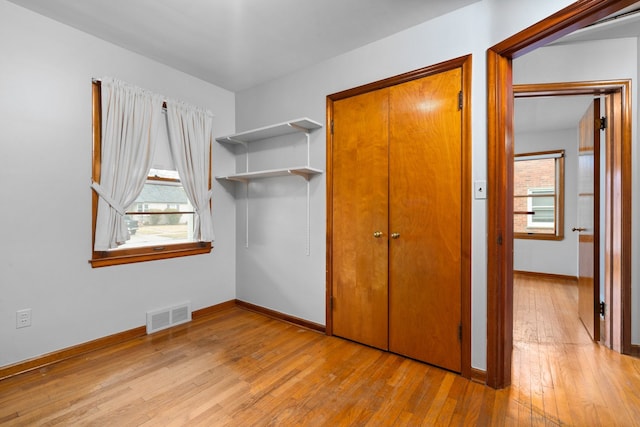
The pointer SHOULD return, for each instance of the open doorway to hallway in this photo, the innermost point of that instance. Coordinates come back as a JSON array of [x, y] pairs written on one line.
[[556, 199], [500, 159]]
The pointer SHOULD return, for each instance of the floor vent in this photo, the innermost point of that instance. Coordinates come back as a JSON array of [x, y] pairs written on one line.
[[167, 317]]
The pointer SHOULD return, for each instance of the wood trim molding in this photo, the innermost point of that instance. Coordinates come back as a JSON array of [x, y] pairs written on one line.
[[478, 376], [87, 347], [208, 311], [329, 215], [402, 78], [545, 276], [465, 63], [67, 353], [499, 225], [281, 316], [466, 207], [573, 17], [499, 155]]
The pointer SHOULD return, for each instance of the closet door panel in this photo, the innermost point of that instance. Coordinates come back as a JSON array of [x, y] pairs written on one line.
[[425, 212], [360, 212]]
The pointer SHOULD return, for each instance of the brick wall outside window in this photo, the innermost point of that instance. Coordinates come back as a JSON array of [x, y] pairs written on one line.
[[529, 174]]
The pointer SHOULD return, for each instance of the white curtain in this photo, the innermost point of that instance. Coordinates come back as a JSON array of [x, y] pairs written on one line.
[[130, 121], [190, 137]]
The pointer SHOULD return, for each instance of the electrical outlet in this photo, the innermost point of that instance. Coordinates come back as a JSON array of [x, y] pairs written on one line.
[[23, 318]]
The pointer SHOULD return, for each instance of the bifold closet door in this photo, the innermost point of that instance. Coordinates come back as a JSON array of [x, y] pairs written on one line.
[[425, 219], [360, 218]]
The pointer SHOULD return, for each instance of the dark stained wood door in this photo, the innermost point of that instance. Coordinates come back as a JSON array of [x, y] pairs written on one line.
[[360, 212], [588, 229], [425, 219]]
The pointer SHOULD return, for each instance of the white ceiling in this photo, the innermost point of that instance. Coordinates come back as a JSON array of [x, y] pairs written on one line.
[[237, 44], [549, 113]]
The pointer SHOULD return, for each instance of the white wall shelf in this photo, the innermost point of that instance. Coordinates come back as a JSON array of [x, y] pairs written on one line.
[[303, 125], [303, 171], [298, 125]]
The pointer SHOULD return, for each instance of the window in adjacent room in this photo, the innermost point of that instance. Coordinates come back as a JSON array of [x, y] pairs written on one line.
[[161, 222], [538, 195]]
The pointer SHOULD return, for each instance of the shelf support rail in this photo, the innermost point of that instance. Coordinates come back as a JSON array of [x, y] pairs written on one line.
[[246, 214], [307, 133], [246, 184], [308, 248]]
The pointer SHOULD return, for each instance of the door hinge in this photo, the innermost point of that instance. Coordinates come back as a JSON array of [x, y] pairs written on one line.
[[603, 307], [603, 123], [460, 100], [331, 127], [460, 332], [331, 302], [500, 239]]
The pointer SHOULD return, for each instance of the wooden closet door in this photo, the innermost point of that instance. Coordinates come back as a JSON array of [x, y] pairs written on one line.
[[425, 211], [360, 209]]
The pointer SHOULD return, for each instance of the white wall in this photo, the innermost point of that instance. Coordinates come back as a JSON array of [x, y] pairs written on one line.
[[296, 285], [616, 59], [45, 171], [552, 256]]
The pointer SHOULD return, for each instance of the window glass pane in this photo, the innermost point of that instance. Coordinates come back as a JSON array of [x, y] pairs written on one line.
[[162, 214], [535, 178], [543, 210]]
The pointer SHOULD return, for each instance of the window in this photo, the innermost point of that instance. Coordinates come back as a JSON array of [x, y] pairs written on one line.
[[538, 195], [162, 213], [541, 202], [161, 222]]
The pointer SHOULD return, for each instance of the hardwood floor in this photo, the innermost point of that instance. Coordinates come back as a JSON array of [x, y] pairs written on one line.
[[560, 376], [239, 368]]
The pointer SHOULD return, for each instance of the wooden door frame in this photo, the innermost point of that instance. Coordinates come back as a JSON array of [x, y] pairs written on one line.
[[500, 182], [613, 149], [463, 62]]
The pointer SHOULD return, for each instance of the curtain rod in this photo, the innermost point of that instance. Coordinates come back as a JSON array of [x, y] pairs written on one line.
[[99, 81], [164, 101]]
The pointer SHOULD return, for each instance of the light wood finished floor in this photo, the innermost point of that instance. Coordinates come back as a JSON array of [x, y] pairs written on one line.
[[239, 368]]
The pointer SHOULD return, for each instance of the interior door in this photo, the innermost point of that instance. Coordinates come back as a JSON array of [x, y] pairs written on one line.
[[360, 224], [588, 220], [425, 217]]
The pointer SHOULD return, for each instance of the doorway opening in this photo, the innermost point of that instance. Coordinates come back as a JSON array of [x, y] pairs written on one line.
[[500, 173], [594, 267]]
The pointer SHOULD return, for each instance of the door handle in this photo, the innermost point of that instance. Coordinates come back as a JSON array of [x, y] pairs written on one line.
[[395, 235], [377, 234], [574, 229]]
